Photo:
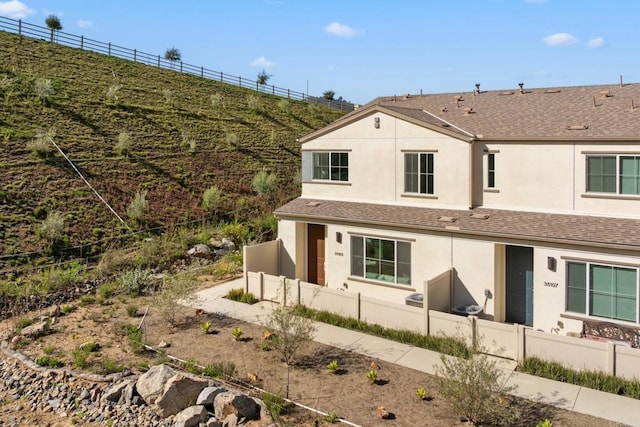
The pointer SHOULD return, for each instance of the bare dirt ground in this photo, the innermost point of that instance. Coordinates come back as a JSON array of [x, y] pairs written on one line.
[[348, 394]]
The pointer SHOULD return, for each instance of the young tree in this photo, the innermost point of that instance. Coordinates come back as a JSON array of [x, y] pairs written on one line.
[[290, 332], [44, 90], [138, 206], [211, 199], [263, 77], [173, 55], [54, 24], [264, 184], [329, 95]]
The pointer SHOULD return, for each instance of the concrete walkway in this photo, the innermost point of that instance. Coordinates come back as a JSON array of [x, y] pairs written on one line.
[[566, 396]]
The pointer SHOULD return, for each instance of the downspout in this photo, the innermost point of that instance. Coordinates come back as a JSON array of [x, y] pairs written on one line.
[[471, 140]]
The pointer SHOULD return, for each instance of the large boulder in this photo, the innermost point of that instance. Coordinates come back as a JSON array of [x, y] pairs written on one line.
[[151, 384], [117, 391], [36, 330], [241, 405], [179, 393], [200, 251], [191, 416], [208, 395]]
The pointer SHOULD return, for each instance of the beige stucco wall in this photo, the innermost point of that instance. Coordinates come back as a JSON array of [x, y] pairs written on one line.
[[376, 164]]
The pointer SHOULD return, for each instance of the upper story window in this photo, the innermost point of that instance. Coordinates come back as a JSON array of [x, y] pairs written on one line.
[[331, 166], [418, 173], [603, 291], [491, 170], [381, 259], [618, 174]]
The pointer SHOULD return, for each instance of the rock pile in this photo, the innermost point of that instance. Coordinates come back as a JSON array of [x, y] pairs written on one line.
[[160, 397]]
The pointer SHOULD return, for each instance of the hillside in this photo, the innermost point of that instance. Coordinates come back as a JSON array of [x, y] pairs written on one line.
[[186, 134]]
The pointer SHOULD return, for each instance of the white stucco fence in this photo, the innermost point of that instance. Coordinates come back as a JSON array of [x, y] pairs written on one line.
[[501, 339]]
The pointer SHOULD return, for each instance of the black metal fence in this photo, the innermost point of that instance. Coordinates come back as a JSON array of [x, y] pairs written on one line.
[[80, 42]]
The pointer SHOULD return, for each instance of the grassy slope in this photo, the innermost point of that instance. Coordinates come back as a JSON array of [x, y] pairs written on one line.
[[87, 128]]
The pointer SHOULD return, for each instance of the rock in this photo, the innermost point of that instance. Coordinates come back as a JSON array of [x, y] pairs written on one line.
[[164, 344], [212, 422], [53, 311], [36, 330], [228, 244], [233, 403], [230, 420], [215, 243], [179, 393], [208, 395], [115, 392], [191, 416], [151, 384], [383, 414], [200, 251]]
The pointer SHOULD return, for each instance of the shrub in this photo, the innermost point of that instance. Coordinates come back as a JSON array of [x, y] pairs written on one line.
[[231, 138], [112, 93], [52, 228], [169, 97], [123, 144], [475, 388], [274, 404], [67, 309], [237, 333], [237, 232], [421, 393], [48, 349], [134, 338], [332, 366], [211, 199], [110, 366], [372, 376], [49, 362], [253, 102], [107, 290], [191, 366], [173, 292], [332, 417], [264, 184], [44, 90], [42, 144], [79, 357], [216, 100], [87, 300], [219, 370], [284, 105], [132, 310], [248, 298], [205, 327], [135, 282], [138, 206]]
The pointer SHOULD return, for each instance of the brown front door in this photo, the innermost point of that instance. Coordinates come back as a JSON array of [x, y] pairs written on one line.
[[315, 260]]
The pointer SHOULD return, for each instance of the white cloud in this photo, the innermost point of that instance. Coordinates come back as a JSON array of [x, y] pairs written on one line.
[[262, 62], [560, 39], [15, 9], [340, 30], [83, 23], [595, 43]]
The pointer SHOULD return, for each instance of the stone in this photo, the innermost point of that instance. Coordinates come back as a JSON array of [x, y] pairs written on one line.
[[233, 403], [179, 392], [164, 344], [383, 414], [191, 416], [151, 384], [230, 420], [115, 392], [208, 395], [200, 251], [36, 330], [215, 243]]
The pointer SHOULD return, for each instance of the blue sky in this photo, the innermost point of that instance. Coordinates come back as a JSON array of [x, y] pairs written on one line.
[[362, 49]]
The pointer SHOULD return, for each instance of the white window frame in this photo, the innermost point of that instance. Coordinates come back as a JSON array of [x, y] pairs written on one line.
[[618, 158], [429, 185], [404, 281]]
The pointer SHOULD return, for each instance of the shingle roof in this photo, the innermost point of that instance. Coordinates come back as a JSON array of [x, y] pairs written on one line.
[[622, 233], [577, 112]]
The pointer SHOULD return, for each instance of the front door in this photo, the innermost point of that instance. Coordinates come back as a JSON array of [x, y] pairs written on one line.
[[519, 285], [315, 254]]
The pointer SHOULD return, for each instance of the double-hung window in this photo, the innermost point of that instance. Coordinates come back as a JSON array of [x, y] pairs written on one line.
[[618, 174], [331, 166], [603, 291], [418, 173], [491, 170], [381, 259]]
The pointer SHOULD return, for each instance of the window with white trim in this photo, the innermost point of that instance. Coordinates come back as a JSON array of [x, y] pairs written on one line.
[[418, 173], [601, 290], [618, 174], [381, 259], [331, 166], [491, 170]]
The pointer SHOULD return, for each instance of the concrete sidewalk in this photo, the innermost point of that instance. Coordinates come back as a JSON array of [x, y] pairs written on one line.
[[562, 395]]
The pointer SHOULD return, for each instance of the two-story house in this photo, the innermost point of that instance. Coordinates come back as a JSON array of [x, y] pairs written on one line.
[[530, 196]]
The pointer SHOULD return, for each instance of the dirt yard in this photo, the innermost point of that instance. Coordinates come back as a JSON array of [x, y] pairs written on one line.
[[348, 393]]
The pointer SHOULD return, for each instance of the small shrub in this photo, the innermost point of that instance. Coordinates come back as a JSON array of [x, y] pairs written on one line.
[[87, 300], [421, 393], [237, 232], [169, 97], [237, 333], [248, 298], [372, 376], [42, 144], [112, 93], [205, 327], [135, 282], [67, 309], [44, 90], [188, 142], [138, 206], [132, 310], [264, 183], [134, 338], [106, 290], [219, 370], [216, 100], [110, 366], [545, 423], [191, 366], [253, 102], [265, 346], [231, 139], [48, 349], [332, 417], [23, 323], [284, 105], [79, 357], [235, 294], [49, 362], [123, 144], [333, 366], [274, 404]]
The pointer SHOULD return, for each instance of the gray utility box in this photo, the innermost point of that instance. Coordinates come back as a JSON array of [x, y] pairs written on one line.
[[467, 310], [415, 300]]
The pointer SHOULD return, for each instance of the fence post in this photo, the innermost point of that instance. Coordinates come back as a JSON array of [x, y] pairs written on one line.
[[240, 81], [158, 60], [288, 94], [135, 55], [201, 71], [221, 78], [261, 285], [180, 66], [273, 90], [109, 48], [19, 27], [521, 344], [81, 42], [611, 358]]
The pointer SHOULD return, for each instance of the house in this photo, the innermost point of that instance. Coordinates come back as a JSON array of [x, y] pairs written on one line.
[[530, 197]]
